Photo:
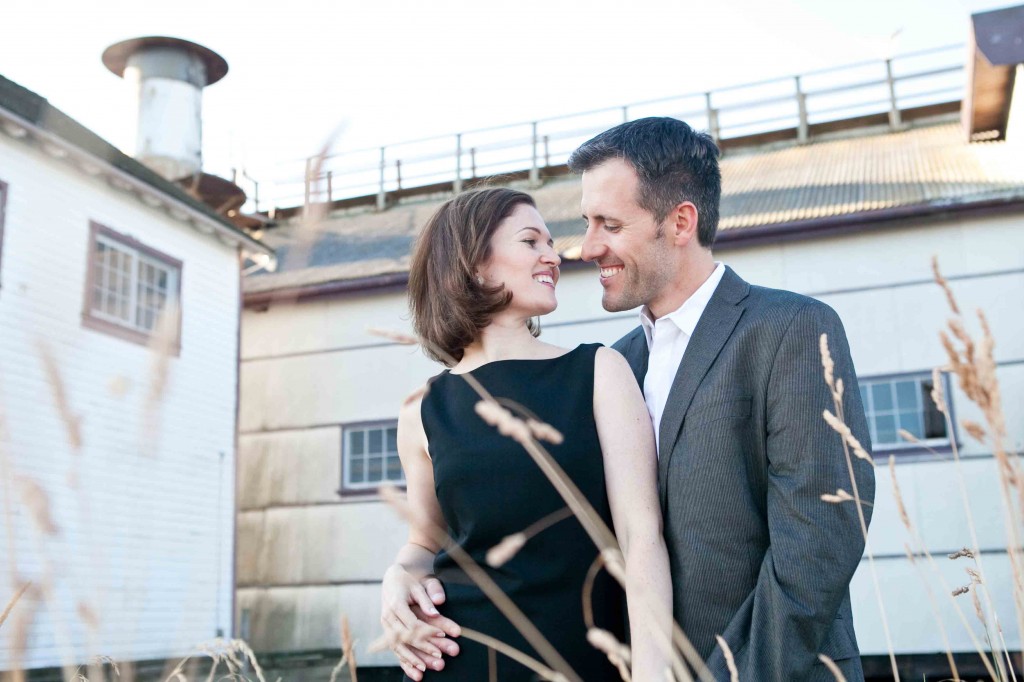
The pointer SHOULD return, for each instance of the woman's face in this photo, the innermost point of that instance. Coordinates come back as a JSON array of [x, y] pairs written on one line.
[[524, 261]]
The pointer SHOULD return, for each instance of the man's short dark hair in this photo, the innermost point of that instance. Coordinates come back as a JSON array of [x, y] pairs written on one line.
[[674, 163]]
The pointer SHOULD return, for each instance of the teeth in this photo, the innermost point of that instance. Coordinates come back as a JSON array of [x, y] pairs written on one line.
[[544, 279], [609, 272]]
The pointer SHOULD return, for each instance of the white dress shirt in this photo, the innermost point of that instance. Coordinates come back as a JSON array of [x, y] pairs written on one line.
[[667, 338]]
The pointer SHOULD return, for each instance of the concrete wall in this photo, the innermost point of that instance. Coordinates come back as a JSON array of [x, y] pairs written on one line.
[[145, 509], [309, 368]]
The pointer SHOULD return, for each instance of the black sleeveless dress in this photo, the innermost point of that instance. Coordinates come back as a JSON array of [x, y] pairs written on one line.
[[488, 487]]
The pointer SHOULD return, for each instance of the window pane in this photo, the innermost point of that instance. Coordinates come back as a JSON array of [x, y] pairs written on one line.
[[376, 443], [906, 395], [375, 469], [355, 442], [393, 439], [881, 394], [395, 469], [357, 469], [911, 421], [864, 396], [885, 426], [128, 287]]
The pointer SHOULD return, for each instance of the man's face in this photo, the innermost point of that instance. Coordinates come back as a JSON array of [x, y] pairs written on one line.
[[623, 239]]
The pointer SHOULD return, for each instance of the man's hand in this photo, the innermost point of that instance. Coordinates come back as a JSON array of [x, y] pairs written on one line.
[[415, 631]]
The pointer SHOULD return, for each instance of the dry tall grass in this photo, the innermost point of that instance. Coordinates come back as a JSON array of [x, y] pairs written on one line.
[[972, 363]]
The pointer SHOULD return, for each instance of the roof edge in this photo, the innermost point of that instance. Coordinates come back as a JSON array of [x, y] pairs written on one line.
[[859, 222], [153, 189], [797, 230]]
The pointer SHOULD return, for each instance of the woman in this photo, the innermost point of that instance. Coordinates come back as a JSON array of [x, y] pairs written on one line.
[[483, 268]]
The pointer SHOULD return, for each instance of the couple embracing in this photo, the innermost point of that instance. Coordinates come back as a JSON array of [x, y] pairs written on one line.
[[698, 437]]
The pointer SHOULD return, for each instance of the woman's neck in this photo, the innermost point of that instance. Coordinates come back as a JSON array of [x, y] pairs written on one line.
[[502, 339]]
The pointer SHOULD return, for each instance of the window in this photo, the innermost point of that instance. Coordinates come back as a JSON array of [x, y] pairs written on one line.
[[903, 402], [128, 285], [370, 457], [3, 209]]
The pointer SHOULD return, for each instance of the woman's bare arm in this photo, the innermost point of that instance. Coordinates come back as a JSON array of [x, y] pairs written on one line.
[[631, 472]]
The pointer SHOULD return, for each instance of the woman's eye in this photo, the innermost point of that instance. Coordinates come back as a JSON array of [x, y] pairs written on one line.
[[531, 242]]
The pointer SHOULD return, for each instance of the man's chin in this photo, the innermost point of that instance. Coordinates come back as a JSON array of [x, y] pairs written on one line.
[[614, 305]]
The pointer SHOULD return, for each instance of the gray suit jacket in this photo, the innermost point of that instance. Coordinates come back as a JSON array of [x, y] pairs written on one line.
[[755, 554]]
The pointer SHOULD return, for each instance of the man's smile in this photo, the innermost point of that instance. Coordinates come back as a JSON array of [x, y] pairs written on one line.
[[609, 271]]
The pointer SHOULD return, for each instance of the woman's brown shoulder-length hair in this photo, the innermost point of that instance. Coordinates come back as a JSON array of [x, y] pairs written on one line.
[[449, 307]]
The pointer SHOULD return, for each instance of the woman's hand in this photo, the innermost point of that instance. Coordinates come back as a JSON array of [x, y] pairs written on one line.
[[414, 629]]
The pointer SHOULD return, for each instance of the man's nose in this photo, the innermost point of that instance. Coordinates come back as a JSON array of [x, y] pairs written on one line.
[[592, 246]]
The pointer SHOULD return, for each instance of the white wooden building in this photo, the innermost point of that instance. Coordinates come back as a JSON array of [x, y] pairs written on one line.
[[849, 212], [117, 458]]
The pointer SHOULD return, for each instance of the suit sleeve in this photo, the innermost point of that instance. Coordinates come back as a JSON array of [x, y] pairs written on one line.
[[815, 546]]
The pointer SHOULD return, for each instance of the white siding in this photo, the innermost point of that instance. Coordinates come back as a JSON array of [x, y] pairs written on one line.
[[319, 356], [146, 535]]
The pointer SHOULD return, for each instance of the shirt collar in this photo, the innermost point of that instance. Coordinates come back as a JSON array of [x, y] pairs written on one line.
[[686, 316]]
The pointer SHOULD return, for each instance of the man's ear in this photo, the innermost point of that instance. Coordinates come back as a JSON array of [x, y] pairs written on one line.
[[682, 223]]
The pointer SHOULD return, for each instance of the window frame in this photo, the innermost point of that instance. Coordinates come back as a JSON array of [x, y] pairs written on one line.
[[3, 219], [346, 489], [110, 327], [902, 447]]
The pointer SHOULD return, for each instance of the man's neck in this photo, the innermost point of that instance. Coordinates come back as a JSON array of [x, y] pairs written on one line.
[[674, 295]]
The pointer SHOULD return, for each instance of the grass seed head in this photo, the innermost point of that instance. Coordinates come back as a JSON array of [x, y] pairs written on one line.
[[509, 546]]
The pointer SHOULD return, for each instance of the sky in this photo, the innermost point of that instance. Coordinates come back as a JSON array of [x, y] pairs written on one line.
[[392, 70]]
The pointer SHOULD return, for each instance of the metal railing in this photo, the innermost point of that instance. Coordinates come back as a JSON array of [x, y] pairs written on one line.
[[887, 86]]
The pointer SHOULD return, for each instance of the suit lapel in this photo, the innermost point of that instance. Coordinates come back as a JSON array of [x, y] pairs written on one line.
[[713, 330]]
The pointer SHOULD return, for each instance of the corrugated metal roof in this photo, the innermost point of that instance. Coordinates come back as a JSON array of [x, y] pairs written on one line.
[[857, 173]]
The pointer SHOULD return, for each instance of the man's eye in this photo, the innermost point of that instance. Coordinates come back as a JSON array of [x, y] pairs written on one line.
[[613, 228]]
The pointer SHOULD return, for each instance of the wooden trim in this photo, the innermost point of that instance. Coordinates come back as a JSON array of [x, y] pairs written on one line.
[[91, 321], [233, 619], [3, 216], [371, 491]]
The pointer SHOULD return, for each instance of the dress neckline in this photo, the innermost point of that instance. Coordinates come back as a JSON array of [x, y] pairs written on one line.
[[495, 362]]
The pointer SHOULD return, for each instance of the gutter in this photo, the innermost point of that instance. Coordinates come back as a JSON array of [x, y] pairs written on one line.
[[735, 238], [829, 226]]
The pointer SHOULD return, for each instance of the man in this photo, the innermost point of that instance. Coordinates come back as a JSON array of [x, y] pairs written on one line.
[[733, 381]]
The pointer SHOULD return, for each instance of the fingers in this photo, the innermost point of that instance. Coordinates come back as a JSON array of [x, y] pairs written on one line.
[[434, 589], [416, 660], [446, 625], [407, 619], [448, 646], [420, 640], [412, 672], [422, 599]]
